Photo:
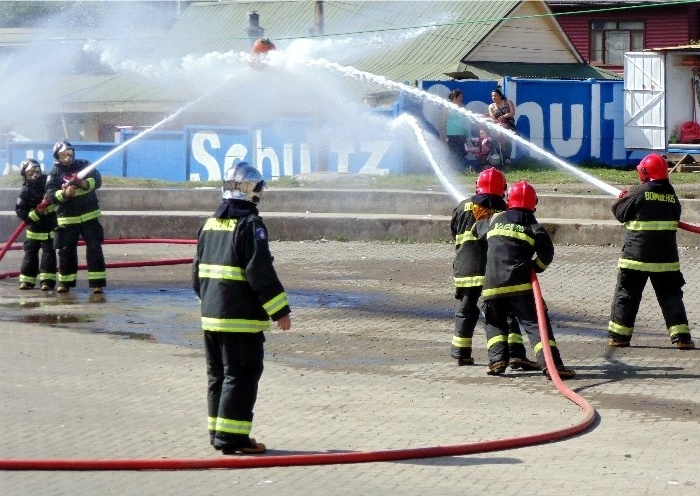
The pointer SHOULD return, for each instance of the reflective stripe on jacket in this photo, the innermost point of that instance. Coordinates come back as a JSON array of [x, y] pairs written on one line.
[[234, 276], [517, 244], [650, 213]]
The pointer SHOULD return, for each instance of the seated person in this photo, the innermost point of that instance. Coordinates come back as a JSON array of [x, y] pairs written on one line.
[[479, 149]]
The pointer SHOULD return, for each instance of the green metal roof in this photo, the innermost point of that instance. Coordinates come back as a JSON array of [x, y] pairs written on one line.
[[400, 40], [497, 70]]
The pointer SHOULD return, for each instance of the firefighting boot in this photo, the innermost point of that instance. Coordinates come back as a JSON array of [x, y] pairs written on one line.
[[251, 448], [523, 364], [618, 344], [685, 344], [563, 372], [62, 289], [25, 285], [497, 368]]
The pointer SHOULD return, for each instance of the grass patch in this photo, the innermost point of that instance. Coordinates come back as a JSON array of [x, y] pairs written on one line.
[[527, 169]]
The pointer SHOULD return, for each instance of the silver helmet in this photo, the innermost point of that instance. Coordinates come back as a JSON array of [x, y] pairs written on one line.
[[30, 169], [243, 182]]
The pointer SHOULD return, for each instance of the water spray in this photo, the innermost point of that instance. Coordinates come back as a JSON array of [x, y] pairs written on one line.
[[446, 183], [84, 172]]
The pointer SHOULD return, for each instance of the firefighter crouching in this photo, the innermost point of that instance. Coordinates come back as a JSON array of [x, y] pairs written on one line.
[[517, 245], [78, 211], [240, 292], [650, 212], [40, 217], [469, 266]]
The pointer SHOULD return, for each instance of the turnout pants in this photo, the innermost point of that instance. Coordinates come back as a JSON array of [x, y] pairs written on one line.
[[466, 318], [628, 296], [521, 309], [32, 266], [66, 242], [234, 368]]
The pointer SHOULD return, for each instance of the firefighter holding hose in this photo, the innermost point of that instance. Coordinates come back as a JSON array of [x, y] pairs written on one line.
[[240, 292], [517, 245], [78, 211], [469, 266], [40, 216], [650, 212]]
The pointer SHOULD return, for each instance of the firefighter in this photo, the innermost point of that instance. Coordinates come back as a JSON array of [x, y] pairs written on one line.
[[78, 211], [517, 244], [240, 292], [40, 217], [650, 212], [469, 266]]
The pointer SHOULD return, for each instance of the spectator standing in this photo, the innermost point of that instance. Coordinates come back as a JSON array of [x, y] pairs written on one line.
[[502, 111], [454, 130]]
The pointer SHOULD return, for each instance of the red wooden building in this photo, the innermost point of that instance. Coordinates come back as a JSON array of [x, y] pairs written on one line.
[[602, 31]]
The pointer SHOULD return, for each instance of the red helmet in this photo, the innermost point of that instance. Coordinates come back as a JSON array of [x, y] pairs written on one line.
[[522, 195], [653, 167], [491, 182], [261, 46]]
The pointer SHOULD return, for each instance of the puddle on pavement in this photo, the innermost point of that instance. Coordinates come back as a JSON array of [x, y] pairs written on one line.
[[327, 299], [167, 315], [56, 318]]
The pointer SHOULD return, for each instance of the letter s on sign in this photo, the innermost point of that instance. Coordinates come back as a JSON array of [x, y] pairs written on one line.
[[200, 154]]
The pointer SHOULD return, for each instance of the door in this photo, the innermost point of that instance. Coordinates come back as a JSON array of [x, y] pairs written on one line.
[[645, 101]]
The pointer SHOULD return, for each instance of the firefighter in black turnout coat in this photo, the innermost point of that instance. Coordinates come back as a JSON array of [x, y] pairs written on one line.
[[41, 222], [650, 212], [517, 245], [469, 266], [78, 213], [234, 276]]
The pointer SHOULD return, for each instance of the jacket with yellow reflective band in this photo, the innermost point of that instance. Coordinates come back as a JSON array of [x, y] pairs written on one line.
[[470, 253], [650, 213], [84, 206], [516, 245], [233, 272], [39, 226]]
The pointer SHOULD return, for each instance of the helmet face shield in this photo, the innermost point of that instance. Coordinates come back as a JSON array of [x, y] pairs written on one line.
[[63, 153], [30, 169], [66, 157], [243, 182]]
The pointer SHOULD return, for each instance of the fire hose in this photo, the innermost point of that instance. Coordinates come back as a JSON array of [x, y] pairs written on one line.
[[345, 457], [321, 458]]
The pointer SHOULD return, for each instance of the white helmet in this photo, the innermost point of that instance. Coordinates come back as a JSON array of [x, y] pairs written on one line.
[[243, 182]]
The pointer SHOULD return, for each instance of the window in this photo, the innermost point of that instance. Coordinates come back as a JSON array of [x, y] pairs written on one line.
[[610, 41]]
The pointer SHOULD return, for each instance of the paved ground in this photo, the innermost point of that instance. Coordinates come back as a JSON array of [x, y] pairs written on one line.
[[366, 367]]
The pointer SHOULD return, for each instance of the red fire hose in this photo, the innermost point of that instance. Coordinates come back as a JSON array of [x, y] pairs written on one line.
[[12, 239], [320, 458]]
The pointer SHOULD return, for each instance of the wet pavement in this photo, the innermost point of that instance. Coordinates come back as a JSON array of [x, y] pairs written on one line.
[[365, 367]]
